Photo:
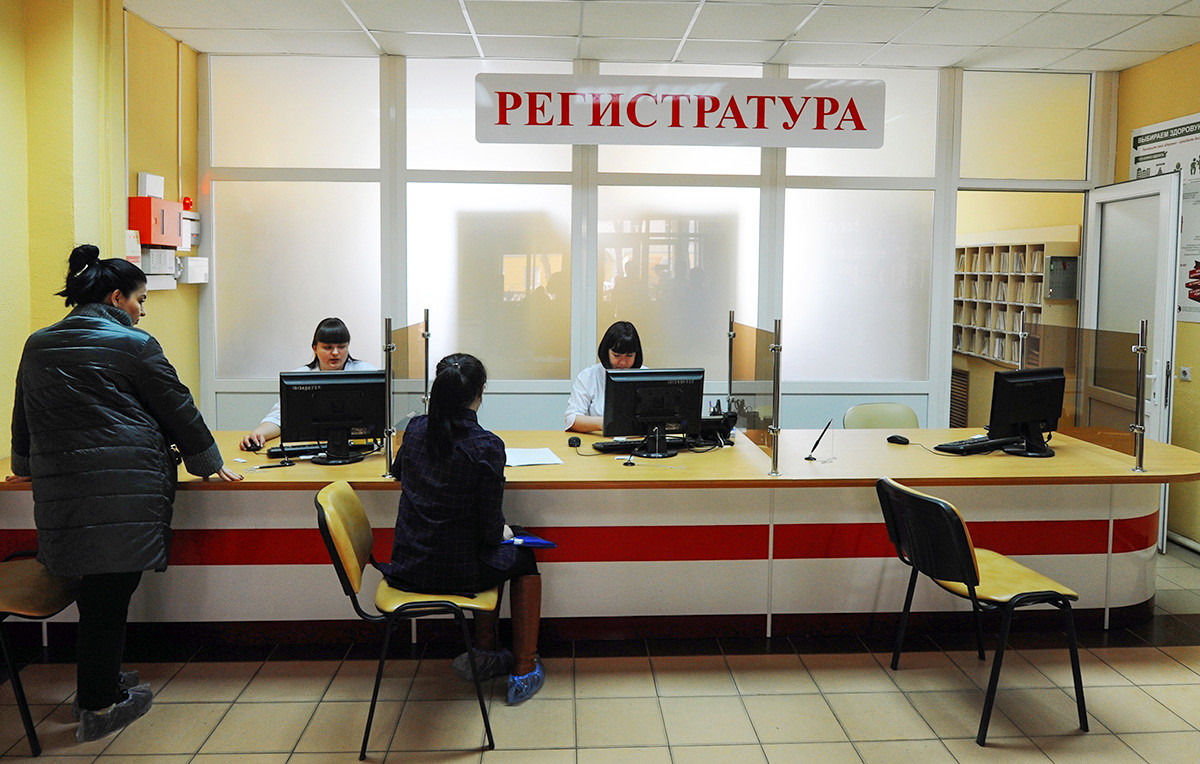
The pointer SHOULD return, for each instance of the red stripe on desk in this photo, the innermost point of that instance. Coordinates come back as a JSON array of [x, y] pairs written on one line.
[[1135, 533]]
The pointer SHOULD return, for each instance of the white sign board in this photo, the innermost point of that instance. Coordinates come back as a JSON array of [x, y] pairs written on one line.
[[833, 113]]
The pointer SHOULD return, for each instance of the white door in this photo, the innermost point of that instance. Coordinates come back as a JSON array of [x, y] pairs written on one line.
[[1129, 271]]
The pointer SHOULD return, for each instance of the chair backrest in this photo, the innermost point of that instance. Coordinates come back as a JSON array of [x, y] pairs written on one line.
[[879, 416], [346, 531], [928, 533], [29, 590]]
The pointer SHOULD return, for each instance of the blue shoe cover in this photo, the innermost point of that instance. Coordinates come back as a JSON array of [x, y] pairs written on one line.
[[522, 688]]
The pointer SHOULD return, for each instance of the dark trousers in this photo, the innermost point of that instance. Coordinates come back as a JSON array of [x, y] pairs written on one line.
[[103, 610]]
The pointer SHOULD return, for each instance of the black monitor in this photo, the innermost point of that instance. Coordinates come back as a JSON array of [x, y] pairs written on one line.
[[1027, 403], [332, 407], [654, 404]]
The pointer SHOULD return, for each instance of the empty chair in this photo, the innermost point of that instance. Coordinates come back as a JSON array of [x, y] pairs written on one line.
[[879, 416], [931, 537], [347, 533], [28, 590]]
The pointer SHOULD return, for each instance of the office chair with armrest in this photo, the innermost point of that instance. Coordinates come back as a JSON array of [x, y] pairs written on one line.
[[347, 534], [930, 536], [29, 591], [879, 416]]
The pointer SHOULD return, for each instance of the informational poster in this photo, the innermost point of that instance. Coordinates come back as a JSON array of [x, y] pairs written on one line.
[[1174, 146]]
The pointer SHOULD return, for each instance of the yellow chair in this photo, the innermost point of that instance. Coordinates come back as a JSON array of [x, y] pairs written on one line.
[[930, 536], [29, 591], [347, 534], [879, 416]]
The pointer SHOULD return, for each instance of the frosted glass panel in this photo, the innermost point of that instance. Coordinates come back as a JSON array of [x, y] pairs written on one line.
[[856, 285], [717, 160], [492, 263], [910, 119], [287, 255], [675, 261], [1025, 125], [284, 111], [441, 119]]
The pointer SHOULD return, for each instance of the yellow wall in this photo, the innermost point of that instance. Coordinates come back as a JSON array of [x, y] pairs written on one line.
[[1157, 91]]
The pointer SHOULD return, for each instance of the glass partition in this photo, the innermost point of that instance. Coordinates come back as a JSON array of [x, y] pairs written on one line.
[[753, 370]]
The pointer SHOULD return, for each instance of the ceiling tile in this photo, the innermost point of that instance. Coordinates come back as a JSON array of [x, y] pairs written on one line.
[[186, 14], [332, 43], [726, 51], [1133, 7], [1069, 30], [835, 24], [889, 3], [1037, 6], [1162, 33], [1187, 9], [995, 57], [920, 55], [290, 14], [940, 27], [748, 21], [438, 16], [239, 41], [533, 48], [1102, 60], [624, 49], [648, 19], [518, 17], [427, 45], [823, 54]]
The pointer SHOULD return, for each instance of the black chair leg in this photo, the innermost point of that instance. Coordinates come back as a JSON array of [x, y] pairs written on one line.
[[908, 598], [35, 747], [1073, 645], [978, 627], [388, 625], [994, 682], [487, 724]]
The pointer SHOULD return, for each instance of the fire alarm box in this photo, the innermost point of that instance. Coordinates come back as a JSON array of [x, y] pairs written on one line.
[[158, 222]]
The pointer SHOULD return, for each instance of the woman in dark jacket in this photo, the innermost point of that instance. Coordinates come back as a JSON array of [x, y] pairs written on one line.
[[97, 409]]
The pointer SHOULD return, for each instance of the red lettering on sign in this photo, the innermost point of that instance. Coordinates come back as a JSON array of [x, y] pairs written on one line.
[[508, 101], [705, 105], [631, 110], [613, 108], [675, 99], [564, 109], [792, 111], [760, 110], [537, 108], [732, 112], [851, 114], [826, 106]]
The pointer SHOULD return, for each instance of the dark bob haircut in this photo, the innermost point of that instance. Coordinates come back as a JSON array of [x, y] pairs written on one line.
[[621, 338]]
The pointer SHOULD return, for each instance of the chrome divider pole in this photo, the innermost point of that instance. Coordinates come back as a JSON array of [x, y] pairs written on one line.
[[389, 432], [1138, 428], [732, 334], [1021, 336], [776, 349], [425, 334]]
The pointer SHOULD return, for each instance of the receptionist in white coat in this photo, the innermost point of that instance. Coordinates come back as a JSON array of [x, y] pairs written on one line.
[[620, 348]]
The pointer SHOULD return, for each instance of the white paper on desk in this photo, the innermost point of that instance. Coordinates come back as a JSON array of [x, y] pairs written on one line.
[[525, 457]]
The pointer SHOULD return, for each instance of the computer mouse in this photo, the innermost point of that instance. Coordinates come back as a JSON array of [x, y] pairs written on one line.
[[253, 447], [899, 440], [574, 442]]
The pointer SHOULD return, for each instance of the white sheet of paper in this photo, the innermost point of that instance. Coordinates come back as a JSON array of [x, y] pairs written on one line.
[[524, 457]]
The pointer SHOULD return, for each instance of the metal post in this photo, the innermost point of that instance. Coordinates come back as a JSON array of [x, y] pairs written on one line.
[[425, 334], [389, 432], [776, 349], [732, 334], [1138, 428], [1021, 336]]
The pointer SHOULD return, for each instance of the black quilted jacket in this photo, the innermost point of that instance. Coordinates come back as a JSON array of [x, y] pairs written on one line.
[[97, 405]]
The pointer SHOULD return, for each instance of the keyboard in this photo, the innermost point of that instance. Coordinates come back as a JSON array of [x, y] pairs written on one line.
[[631, 445], [977, 445], [312, 449]]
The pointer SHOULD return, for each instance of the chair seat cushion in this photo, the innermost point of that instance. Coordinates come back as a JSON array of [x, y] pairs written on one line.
[[1002, 578], [388, 598], [27, 589]]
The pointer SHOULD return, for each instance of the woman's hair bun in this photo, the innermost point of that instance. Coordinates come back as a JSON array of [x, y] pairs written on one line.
[[81, 257]]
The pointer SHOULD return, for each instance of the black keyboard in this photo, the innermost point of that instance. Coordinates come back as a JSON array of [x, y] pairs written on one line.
[[977, 445], [629, 446], [312, 449]]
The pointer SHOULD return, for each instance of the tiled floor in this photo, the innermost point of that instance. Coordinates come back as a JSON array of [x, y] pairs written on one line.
[[652, 702]]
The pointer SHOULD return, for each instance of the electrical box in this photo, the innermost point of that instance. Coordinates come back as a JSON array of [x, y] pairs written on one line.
[[193, 270], [191, 230], [1062, 278], [158, 222], [158, 262]]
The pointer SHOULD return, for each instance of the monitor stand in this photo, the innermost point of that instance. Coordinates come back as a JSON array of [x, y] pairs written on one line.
[[1035, 445], [655, 445], [338, 449]]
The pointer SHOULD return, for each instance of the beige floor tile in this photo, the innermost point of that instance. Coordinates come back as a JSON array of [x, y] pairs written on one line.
[[812, 753], [432, 757], [44, 683], [56, 733], [435, 680], [1185, 576], [289, 681], [770, 674], [260, 728], [1164, 747], [356, 679], [926, 671], [956, 714], [891, 751], [170, 728], [1131, 709], [159, 758], [1188, 655], [623, 722], [1087, 748], [560, 679], [707, 721], [856, 672], [1017, 672], [793, 719], [49, 759], [1002, 750], [536, 723], [345, 757], [725, 754], [625, 677], [1163, 584], [241, 758], [208, 682], [1038, 712], [1183, 700], [440, 725], [660, 755], [157, 674], [1056, 664], [338, 727], [690, 676], [554, 756], [1178, 601], [879, 716], [1146, 665], [12, 731]]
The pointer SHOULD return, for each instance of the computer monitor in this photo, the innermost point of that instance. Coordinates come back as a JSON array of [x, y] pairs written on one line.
[[654, 403], [332, 407], [1027, 403]]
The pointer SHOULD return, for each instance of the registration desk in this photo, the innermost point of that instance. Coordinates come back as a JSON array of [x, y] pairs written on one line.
[[699, 543]]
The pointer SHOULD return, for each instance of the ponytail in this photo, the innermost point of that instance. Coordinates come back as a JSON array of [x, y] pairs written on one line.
[[459, 381], [90, 279]]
